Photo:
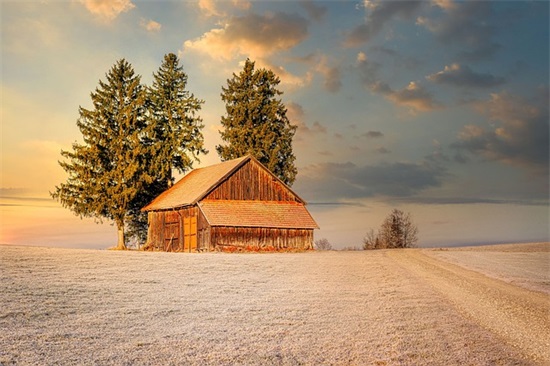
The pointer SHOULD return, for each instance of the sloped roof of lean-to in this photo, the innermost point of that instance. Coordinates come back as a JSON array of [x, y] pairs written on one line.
[[270, 214]]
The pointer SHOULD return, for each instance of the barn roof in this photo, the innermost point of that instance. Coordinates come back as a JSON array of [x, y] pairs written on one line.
[[198, 183], [271, 214]]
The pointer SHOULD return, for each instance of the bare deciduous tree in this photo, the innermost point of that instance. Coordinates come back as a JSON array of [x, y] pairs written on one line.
[[323, 244], [371, 241], [397, 231]]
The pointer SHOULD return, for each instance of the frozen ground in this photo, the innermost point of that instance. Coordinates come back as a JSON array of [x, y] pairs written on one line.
[[525, 265], [67, 306]]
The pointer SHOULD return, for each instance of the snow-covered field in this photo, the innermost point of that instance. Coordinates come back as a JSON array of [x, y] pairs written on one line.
[[526, 265], [68, 306]]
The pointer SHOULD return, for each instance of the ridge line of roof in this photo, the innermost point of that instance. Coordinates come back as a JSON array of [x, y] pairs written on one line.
[[197, 197]]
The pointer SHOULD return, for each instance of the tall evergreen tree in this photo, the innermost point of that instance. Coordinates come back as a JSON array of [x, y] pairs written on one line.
[[176, 138], [177, 125], [256, 123], [109, 169]]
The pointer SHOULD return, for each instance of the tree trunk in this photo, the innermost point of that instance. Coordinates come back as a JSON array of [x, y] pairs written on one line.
[[121, 245]]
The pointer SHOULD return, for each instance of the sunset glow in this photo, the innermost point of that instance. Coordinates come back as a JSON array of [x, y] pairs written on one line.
[[438, 108]]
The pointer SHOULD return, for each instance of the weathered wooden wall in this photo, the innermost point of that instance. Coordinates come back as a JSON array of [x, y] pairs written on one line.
[[251, 182], [155, 230], [173, 231], [203, 233], [169, 231], [261, 238]]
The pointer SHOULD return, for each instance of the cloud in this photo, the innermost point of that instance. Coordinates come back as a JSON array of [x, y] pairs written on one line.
[[209, 8], [382, 150], [253, 35], [318, 128], [379, 14], [399, 61], [342, 181], [241, 4], [331, 74], [212, 7], [258, 37], [463, 76], [287, 78], [518, 133], [414, 95], [472, 200], [466, 24], [445, 4], [13, 192], [319, 63], [368, 69], [314, 11], [11, 200], [373, 134], [107, 10], [296, 115], [150, 25]]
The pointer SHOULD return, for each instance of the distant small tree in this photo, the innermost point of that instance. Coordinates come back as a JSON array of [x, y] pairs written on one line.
[[351, 249], [397, 231], [371, 240], [323, 244]]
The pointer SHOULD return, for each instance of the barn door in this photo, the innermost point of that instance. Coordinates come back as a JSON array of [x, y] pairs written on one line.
[[171, 232], [190, 233]]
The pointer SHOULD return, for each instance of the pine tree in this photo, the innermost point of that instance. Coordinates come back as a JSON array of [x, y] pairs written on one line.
[[176, 139], [109, 170], [177, 125], [256, 123]]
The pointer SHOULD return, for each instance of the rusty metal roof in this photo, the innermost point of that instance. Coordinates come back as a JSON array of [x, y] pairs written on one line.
[[270, 214]]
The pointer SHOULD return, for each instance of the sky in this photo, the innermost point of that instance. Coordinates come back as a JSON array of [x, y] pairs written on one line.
[[437, 108]]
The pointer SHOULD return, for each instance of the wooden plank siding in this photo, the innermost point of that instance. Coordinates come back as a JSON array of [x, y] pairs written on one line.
[[243, 238], [204, 242], [173, 231], [251, 182]]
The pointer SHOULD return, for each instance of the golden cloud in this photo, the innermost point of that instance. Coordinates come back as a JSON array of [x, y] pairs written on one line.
[[252, 35], [150, 25], [107, 9]]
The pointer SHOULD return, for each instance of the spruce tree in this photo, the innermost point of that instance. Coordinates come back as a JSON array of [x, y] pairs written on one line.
[[109, 169], [177, 125], [256, 123], [176, 138]]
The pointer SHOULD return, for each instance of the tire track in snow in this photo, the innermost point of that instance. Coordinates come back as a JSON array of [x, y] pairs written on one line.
[[518, 316]]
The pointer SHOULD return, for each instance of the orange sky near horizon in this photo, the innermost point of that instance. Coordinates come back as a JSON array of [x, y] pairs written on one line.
[[437, 108]]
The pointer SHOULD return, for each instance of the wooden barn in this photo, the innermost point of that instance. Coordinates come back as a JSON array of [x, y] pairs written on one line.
[[235, 205]]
